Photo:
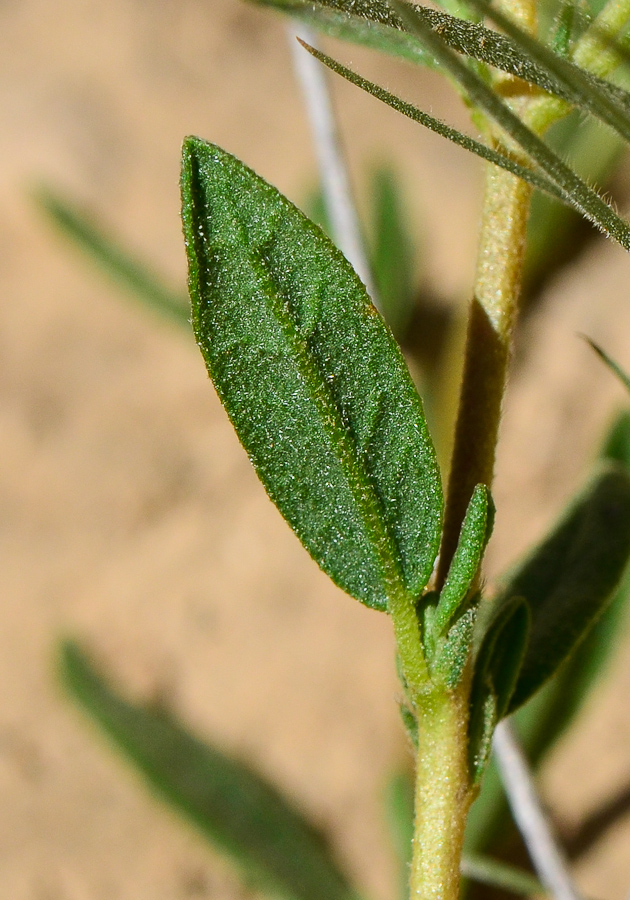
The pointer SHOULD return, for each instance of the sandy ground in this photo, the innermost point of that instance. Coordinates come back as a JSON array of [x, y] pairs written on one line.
[[129, 515]]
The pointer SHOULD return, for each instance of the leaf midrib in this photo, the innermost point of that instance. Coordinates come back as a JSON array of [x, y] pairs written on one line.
[[359, 482]]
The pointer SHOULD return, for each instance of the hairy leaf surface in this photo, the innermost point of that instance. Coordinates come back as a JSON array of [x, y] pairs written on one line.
[[504, 161], [377, 26], [575, 189], [231, 804], [312, 379], [474, 535]]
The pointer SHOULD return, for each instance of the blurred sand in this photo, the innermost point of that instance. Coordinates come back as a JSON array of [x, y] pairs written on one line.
[[129, 515]]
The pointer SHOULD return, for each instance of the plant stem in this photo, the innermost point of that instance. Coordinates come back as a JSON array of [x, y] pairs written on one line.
[[595, 50], [491, 320], [443, 795], [490, 327]]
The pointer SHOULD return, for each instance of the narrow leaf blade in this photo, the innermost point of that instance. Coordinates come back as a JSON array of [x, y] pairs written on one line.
[[533, 177], [392, 250], [312, 380], [614, 367], [574, 188], [568, 580], [112, 258], [551, 711], [245, 816], [592, 94], [475, 533], [501, 875], [378, 27], [356, 25], [399, 803]]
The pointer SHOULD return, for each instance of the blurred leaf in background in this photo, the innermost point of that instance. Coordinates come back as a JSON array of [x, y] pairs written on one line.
[[554, 709], [272, 844], [136, 278]]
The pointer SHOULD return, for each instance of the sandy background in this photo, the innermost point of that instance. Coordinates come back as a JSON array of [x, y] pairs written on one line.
[[129, 516]]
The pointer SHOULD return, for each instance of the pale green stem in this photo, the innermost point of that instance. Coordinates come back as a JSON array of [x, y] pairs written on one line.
[[401, 608], [490, 327], [593, 51], [490, 324], [443, 790], [443, 796]]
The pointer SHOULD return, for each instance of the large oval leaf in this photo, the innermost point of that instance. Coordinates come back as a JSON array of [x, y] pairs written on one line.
[[312, 379]]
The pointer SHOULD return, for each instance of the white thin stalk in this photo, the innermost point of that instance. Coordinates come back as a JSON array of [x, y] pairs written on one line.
[[545, 852], [331, 160]]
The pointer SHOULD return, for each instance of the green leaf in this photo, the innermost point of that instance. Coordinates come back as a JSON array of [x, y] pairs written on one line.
[[264, 834], [574, 188], [475, 534], [616, 445], [569, 579], [312, 379], [534, 178], [550, 712], [454, 651], [594, 151], [614, 367], [498, 661], [356, 26], [565, 28], [594, 95], [113, 259], [392, 251], [375, 25], [498, 874]]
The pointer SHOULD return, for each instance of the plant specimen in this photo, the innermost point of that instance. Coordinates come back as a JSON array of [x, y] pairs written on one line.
[[318, 391]]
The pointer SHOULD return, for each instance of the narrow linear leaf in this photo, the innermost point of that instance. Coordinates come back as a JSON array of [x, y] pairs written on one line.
[[455, 650], [575, 189], [374, 11], [372, 26], [548, 715], [543, 722], [501, 663], [552, 228], [594, 95], [534, 178], [264, 834], [569, 579], [565, 28], [496, 873], [312, 379], [475, 534], [551, 711], [614, 367], [350, 25], [112, 258], [616, 445]]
